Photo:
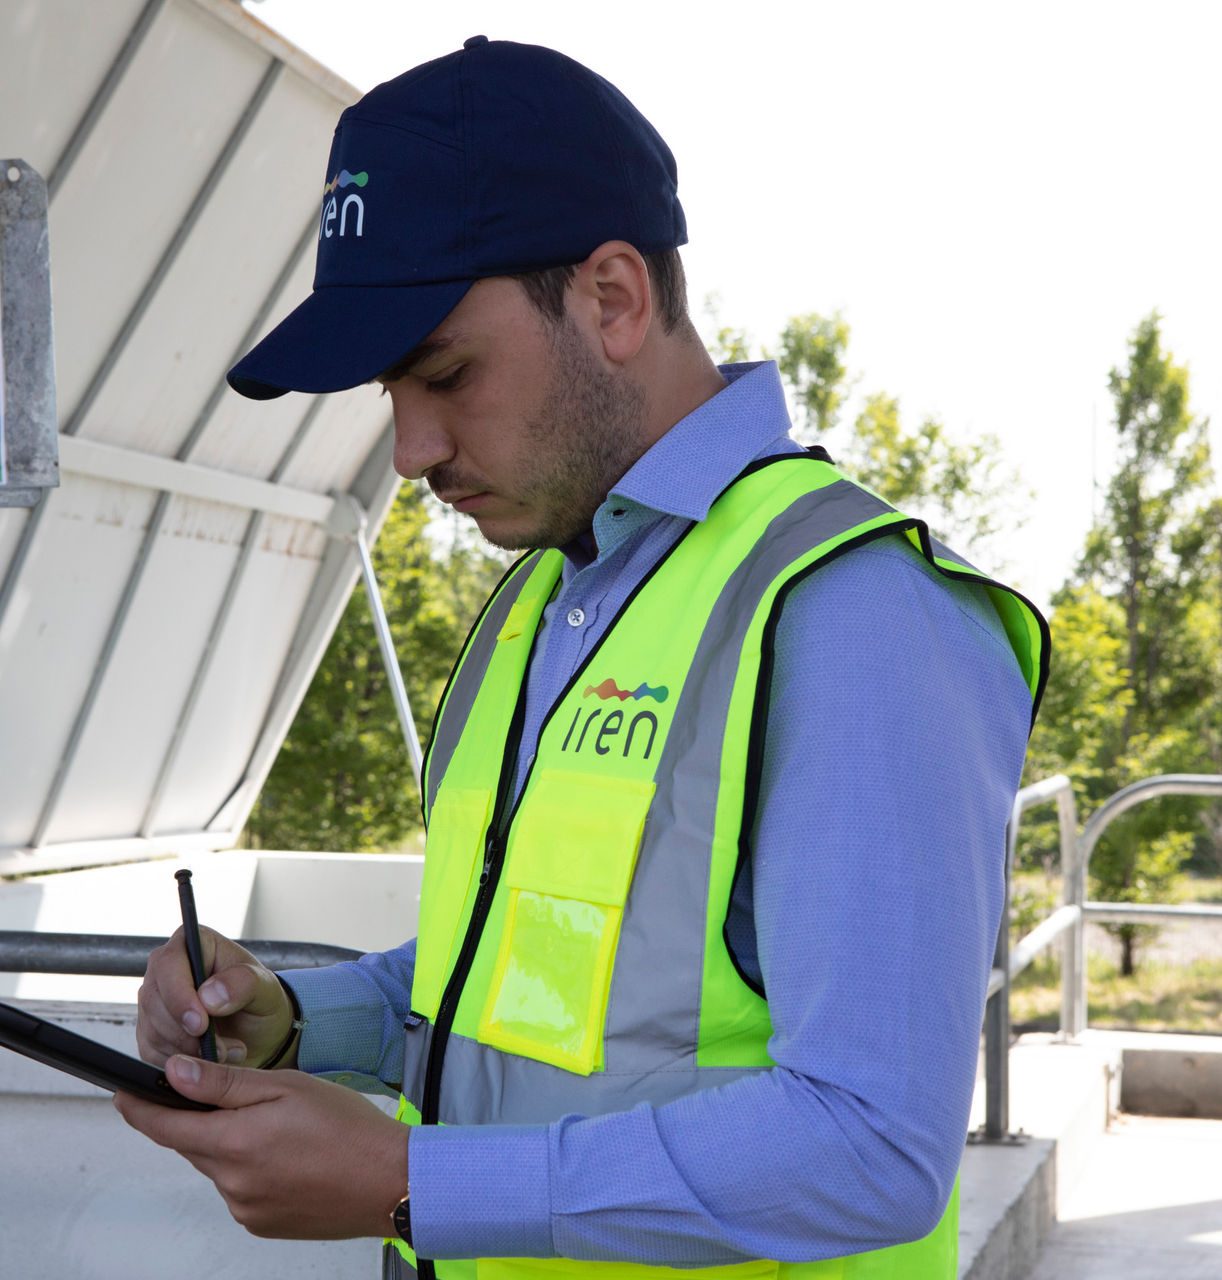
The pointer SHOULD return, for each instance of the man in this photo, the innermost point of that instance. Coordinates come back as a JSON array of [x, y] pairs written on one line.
[[716, 794]]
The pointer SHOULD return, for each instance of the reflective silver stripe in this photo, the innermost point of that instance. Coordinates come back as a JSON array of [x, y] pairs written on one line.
[[461, 698], [653, 1014], [943, 552], [482, 1085]]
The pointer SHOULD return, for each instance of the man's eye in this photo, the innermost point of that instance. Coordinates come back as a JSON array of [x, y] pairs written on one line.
[[449, 381]]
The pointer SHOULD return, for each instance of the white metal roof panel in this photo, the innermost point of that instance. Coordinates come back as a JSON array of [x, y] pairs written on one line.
[[158, 622]]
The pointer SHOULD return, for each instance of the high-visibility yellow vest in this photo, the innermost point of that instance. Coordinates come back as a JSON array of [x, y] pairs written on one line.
[[570, 955]]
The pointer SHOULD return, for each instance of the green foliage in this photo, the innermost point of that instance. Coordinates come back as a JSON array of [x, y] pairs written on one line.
[[1137, 643], [961, 489], [729, 345], [811, 360], [1081, 722], [343, 779], [1164, 997]]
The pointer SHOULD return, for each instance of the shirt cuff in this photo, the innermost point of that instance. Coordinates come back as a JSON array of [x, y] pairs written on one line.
[[340, 1040], [480, 1191]]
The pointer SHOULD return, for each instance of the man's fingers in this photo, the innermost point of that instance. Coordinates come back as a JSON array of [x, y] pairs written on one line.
[[230, 1051], [200, 1136], [169, 990], [248, 988], [166, 1126], [221, 1085], [159, 1029]]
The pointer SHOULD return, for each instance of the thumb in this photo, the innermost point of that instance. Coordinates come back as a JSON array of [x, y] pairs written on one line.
[[219, 1084]]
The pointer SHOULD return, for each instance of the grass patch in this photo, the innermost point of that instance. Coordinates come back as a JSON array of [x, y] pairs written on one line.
[[1180, 993], [1159, 997], [1205, 889]]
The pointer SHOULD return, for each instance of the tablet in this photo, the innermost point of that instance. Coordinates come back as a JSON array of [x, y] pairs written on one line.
[[79, 1056]]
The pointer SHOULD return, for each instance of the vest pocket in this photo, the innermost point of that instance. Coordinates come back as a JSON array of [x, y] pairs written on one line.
[[568, 867], [456, 840]]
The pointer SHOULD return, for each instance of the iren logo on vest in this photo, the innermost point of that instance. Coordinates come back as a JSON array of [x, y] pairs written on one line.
[[612, 723], [330, 210]]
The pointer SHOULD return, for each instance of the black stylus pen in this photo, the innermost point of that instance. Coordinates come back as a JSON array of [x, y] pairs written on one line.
[[195, 953]]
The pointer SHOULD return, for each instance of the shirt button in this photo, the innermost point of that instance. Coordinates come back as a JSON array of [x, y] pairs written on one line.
[[576, 617]]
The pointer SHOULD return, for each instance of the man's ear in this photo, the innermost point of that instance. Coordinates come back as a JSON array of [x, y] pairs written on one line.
[[613, 300]]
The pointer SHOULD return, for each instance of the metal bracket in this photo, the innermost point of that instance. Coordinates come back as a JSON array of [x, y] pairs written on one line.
[[29, 440], [348, 522], [980, 1138]]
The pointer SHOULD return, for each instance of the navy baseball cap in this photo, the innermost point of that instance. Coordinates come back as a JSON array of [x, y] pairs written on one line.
[[498, 159]]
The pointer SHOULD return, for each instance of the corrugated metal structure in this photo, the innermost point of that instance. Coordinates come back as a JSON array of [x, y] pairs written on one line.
[[162, 612]]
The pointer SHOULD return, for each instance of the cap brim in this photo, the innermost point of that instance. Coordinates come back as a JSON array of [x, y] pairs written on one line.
[[341, 337]]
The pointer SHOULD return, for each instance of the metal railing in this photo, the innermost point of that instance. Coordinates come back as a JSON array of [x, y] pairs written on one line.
[[119, 956], [1068, 921], [122, 956]]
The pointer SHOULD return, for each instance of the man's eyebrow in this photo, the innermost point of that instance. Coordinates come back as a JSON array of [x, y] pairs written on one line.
[[418, 355]]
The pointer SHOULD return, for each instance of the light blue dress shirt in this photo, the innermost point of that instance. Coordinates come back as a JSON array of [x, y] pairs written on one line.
[[897, 727]]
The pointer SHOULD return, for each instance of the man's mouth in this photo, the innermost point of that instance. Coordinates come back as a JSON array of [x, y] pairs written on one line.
[[469, 502]]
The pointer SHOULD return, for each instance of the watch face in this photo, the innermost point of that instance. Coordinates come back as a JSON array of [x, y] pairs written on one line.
[[401, 1216]]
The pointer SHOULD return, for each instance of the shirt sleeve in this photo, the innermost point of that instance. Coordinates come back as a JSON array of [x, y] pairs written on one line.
[[354, 1015], [897, 727]]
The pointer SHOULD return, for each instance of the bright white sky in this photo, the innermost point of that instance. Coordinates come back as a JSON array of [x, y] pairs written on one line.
[[994, 193]]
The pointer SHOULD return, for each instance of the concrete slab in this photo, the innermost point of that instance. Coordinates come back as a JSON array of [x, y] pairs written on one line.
[[1148, 1205], [1006, 1208], [1060, 1096]]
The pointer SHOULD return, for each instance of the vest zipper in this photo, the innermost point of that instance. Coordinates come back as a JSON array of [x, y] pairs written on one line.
[[494, 858], [489, 877]]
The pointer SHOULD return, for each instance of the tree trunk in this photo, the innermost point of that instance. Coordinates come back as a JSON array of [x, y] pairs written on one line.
[[1128, 959]]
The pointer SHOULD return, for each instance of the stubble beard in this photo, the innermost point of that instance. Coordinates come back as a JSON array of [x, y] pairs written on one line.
[[587, 433]]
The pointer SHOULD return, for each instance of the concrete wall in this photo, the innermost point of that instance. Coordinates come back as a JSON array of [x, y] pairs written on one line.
[[83, 1197]]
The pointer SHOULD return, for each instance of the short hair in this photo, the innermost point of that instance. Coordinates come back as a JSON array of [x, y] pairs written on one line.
[[546, 289]]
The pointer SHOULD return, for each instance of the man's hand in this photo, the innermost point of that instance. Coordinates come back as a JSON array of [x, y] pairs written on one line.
[[250, 1012], [293, 1157]]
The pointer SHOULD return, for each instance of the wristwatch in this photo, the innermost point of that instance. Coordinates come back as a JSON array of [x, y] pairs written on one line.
[[401, 1218]]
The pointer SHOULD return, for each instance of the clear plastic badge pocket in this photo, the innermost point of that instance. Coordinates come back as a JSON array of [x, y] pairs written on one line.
[[567, 872]]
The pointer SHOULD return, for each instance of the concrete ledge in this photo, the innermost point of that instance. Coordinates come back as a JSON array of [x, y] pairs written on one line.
[[1007, 1208], [82, 1195], [1060, 1098], [1173, 1076]]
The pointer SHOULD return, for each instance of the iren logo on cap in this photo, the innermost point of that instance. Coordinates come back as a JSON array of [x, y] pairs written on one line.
[[330, 210], [345, 179]]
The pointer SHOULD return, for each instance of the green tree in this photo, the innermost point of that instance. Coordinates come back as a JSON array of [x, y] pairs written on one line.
[[728, 345], [1088, 697], [1136, 673], [1199, 547], [812, 362], [343, 779], [962, 487], [963, 490]]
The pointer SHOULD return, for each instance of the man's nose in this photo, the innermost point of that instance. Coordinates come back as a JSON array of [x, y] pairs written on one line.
[[421, 440]]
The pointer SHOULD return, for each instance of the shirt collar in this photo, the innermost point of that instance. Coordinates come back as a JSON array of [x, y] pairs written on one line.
[[685, 471]]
